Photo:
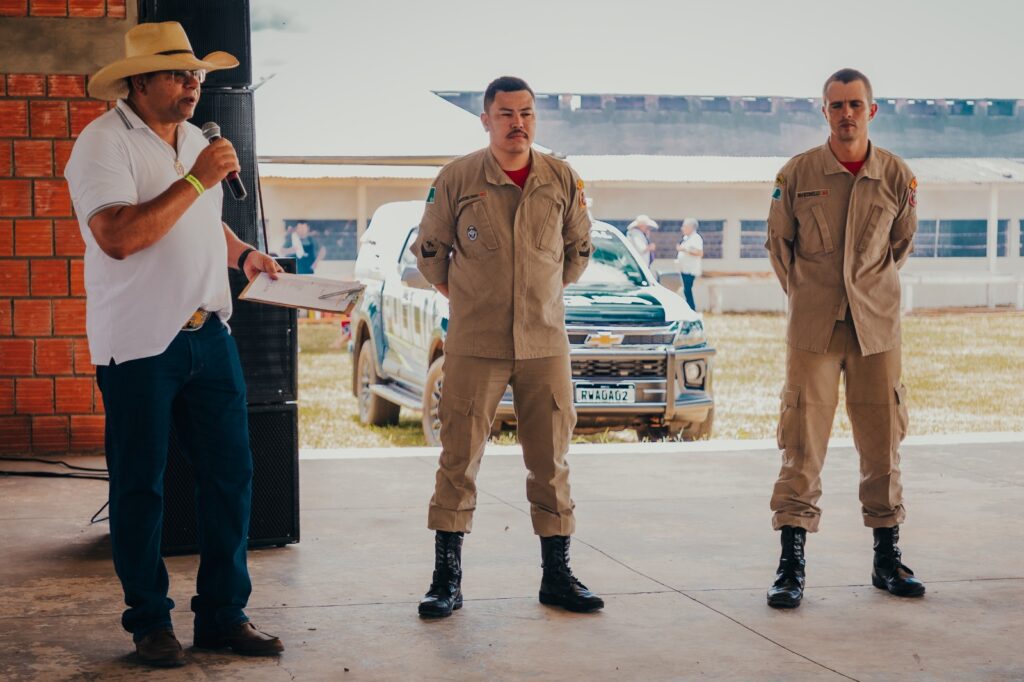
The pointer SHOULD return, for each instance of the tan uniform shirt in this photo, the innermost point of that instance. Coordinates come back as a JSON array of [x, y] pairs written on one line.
[[505, 253], [837, 241]]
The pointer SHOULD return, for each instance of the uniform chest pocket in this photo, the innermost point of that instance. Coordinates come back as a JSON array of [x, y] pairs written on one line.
[[476, 234], [874, 233], [814, 237], [549, 229]]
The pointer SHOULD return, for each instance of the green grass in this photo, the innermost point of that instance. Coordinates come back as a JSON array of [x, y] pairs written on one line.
[[963, 371]]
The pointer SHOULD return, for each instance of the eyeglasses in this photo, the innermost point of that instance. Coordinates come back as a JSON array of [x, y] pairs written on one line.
[[182, 77]]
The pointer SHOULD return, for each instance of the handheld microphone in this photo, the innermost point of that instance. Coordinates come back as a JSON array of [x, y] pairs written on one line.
[[211, 131]]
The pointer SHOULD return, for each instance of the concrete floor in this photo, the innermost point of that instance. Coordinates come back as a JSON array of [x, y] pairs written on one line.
[[676, 538]]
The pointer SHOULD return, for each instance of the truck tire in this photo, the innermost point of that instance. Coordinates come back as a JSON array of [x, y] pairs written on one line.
[[432, 401], [372, 408]]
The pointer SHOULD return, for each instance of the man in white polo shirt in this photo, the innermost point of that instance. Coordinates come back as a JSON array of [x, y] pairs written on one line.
[[690, 252], [146, 190]]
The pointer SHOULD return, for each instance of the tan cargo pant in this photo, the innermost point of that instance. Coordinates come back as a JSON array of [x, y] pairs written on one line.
[[472, 389], [876, 403]]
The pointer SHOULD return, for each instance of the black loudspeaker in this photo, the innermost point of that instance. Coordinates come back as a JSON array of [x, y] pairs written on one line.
[[211, 26], [268, 343], [274, 439], [232, 110]]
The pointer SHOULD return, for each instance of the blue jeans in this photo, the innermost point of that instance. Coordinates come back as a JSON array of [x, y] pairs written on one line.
[[688, 281], [197, 382]]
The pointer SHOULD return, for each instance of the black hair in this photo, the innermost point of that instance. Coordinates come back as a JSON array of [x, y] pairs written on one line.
[[504, 84], [847, 76]]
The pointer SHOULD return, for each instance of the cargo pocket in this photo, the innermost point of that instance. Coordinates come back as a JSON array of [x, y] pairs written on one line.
[[549, 236], [452, 405], [563, 420], [901, 418], [475, 232], [788, 434], [814, 237], [878, 223]]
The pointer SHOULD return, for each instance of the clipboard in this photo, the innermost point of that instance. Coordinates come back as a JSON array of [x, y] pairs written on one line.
[[303, 291]]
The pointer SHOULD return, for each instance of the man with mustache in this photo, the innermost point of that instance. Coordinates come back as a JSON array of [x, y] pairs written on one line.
[[504, 230], [146, 188], [841, 224]]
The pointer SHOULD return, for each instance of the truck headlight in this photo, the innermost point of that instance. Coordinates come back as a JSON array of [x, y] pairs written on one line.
[[693, 373], [689, 333]]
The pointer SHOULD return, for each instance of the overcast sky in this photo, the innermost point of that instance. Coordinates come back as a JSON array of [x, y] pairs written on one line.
[[909, 48]]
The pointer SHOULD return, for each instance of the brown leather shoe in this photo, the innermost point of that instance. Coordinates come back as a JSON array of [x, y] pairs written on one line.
[[242, 638], [160, 648]]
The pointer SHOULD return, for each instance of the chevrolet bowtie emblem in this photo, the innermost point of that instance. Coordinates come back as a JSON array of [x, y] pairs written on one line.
[[604, 339]]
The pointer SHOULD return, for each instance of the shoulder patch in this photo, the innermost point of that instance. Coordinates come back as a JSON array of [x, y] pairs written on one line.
[[431, 194], [776, 193], [912, 199], [780, 180]]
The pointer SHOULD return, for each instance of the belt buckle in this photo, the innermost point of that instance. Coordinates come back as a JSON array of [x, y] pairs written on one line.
[[197, 320]]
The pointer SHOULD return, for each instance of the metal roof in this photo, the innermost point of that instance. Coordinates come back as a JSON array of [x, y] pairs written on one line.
[[672, 170]]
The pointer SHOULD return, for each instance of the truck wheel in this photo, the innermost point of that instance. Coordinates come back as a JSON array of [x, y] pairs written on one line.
[[432, 402], [701, 431], [372, 408]]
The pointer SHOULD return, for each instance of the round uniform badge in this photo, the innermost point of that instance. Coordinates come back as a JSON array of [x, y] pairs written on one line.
[[472, 233]]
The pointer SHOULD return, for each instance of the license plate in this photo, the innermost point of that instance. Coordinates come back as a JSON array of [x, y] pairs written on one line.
[[612, 393]]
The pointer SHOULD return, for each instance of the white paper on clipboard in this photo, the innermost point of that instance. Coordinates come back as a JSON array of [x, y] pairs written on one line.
[[303, 291]]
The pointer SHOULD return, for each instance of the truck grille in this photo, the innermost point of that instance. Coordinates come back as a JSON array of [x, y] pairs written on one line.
[[587, 368], [630, 340]]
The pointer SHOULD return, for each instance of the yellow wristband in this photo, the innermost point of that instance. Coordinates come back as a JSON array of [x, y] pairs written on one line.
[[194, 181]]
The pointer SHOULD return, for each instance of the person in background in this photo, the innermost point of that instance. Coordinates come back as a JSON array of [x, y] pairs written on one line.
[[639, 233], [307, 251], [690, 253]]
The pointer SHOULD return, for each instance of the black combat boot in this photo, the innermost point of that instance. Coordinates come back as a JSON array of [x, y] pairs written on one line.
[[890, 573], [558, 586], [788, 589], [445, 593]]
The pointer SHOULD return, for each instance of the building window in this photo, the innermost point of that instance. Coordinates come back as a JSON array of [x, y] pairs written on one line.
[[716, 104], [673, 104], [957, 238], [921, 107], [886, 106], [630, 103], [1001, 107], [590, 102], [757, 105], [337, 236], [961, 107], [801, 105], [547, 102], [753, 234]]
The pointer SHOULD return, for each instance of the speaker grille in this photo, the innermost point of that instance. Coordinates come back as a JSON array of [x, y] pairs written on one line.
[[232, 110], [211, 25], [267, 338], [274, 439]]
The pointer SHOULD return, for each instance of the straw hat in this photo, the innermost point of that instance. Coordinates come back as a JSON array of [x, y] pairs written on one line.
[[153, 47], [644, 220]]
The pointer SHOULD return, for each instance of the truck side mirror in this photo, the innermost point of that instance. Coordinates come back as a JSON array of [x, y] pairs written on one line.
[[412, 277]]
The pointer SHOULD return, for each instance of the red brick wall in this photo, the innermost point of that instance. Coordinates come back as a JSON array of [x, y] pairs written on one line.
[[48, 396]]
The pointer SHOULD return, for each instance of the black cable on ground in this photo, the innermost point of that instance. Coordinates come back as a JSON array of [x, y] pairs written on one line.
[[52, 461], [54, 474]]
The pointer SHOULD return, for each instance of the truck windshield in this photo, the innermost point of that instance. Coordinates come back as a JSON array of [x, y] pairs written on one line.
[[612, 262]]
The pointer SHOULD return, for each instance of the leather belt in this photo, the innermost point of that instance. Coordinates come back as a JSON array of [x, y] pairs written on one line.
[[197, 321]]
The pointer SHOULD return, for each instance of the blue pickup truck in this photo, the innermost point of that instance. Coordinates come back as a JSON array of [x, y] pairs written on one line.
[[640, 357]]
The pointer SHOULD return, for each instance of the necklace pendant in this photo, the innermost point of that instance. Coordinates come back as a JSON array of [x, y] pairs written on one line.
[[179, 169]]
